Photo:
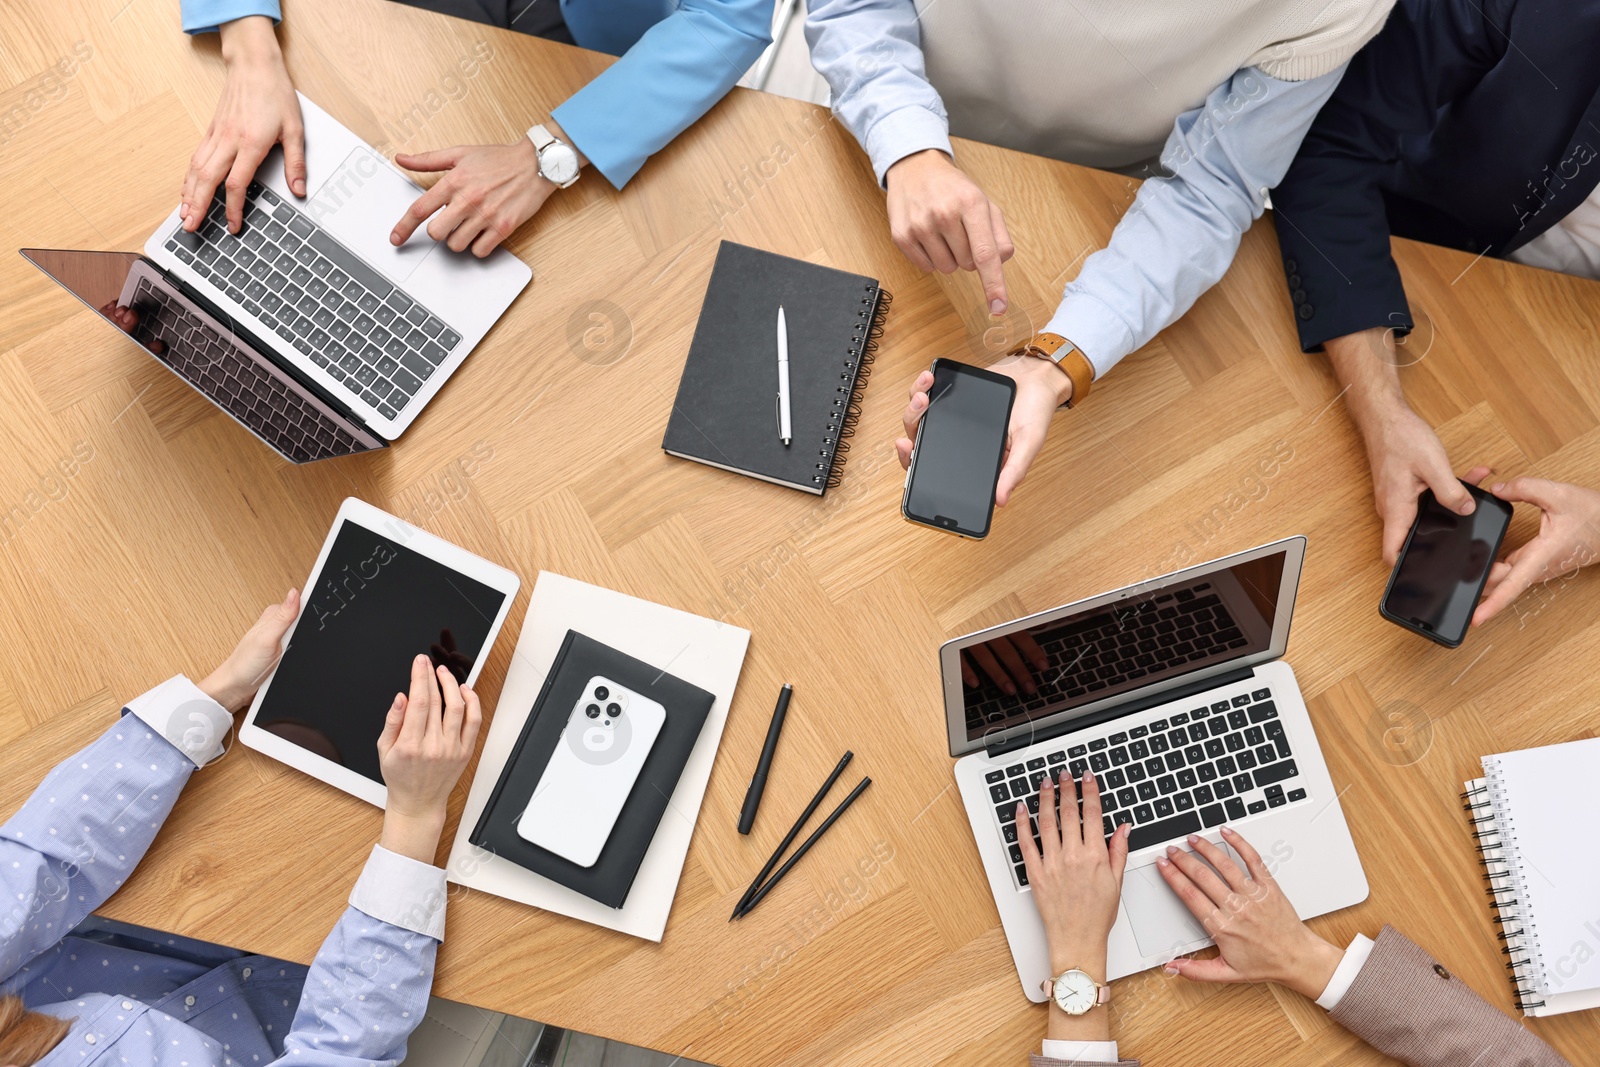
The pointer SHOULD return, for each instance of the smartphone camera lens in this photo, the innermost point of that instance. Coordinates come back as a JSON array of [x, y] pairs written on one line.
[[601, 692], [613, 710], [593, 711]]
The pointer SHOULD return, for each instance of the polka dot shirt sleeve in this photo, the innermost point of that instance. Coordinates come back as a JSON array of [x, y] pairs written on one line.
[[82, 832], [368, 987]]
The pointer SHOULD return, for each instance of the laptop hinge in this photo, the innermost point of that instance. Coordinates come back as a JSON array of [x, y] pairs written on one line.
[[241, 333], [1116, 711]]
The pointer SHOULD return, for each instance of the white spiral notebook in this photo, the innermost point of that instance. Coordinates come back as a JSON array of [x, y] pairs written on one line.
[[1533, 813]]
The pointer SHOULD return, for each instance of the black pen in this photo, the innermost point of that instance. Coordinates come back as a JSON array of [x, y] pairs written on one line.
[[844, 761], [758, 781], [801, 851]]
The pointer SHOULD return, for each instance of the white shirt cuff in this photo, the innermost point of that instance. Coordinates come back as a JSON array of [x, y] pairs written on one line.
[[1345, 974], [192, 722], [1094, 328], [402, 892], [903, 131], [1081, 1051]]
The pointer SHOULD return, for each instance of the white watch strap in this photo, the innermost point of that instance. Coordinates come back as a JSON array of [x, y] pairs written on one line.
[[540, 137]]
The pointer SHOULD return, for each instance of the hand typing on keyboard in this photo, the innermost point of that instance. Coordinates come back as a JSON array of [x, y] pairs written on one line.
[[486, 191], [1260, 937], [257, 110], [1076, 875]]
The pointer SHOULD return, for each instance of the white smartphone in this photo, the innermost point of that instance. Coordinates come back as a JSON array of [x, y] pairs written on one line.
[[609, 732]]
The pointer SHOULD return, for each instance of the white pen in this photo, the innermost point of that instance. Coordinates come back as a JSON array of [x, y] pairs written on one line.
[[783, 380]]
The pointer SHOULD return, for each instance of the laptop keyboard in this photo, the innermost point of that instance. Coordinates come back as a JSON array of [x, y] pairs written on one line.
[[317, 295], [1170, 778], [238, 384], [1106, 650]]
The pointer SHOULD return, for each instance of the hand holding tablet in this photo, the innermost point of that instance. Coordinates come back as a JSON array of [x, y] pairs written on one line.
[[383, 598]]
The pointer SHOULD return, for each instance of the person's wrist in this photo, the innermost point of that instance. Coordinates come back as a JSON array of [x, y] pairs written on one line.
[[1062, 382], [250, 40], [412, 834], [223, 690], [529, 157], [1079, 952], [1312, 967], [927, 158], [1376, 398], [1025, 366], [1379, 417]]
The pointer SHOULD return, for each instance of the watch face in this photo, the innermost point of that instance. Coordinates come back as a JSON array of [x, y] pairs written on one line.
[[559, 163], [1076, 992]]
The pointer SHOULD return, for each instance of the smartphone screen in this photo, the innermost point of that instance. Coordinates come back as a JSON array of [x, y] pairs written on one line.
[[960, 444], [1442, 569]]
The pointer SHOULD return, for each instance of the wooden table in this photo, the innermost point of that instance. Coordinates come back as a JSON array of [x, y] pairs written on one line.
[[544, 453]]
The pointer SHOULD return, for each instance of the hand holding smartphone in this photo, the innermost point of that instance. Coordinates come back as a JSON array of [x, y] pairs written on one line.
[[1444, 566], [959, 449]]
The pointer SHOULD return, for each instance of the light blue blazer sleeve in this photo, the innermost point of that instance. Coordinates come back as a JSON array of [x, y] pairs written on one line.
[[204, 16], [671, 76]]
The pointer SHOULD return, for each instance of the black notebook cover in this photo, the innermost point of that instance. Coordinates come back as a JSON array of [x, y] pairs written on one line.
[[580, 659], [726, 412]]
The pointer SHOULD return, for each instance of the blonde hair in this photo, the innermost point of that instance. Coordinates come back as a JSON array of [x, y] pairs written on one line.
[[26, 1036]]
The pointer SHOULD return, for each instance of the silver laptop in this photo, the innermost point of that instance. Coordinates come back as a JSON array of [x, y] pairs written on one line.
[[308, 326], [1174, 693]]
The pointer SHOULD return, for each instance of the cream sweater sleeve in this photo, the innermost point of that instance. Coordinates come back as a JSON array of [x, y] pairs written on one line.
[[1343, 26]]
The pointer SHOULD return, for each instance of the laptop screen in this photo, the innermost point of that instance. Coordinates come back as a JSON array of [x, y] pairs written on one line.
[[133, 295], [1011, 676]]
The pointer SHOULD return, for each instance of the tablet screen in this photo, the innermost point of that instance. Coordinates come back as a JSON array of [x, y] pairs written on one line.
[[375, 607]]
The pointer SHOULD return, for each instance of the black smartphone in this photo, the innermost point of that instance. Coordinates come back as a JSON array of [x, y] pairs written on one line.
[[1443, 567], [961, 443]]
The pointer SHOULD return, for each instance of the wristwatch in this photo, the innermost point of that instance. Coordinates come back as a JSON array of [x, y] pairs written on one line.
[[1064, 354], [558, 163], [1075, 992]]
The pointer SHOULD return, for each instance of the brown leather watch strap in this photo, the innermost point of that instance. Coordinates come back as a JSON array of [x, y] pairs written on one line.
[[1073, 363]]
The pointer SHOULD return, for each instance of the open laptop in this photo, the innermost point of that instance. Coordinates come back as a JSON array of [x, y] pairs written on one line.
[[1174, 693], [307, 327]]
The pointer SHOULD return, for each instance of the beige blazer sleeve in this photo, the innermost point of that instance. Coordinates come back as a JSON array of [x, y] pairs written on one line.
[[1407, 1005]]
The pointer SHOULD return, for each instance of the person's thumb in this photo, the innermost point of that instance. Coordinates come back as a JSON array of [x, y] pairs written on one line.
[[1025, 444], [1540, 492], [1215, 969], [277, 618], [1449, 491]]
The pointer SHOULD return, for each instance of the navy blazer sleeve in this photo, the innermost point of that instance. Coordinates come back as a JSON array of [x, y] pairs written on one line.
[[1330, 209]]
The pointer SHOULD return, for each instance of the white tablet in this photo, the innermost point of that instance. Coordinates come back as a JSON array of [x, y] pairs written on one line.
[[382, 592]]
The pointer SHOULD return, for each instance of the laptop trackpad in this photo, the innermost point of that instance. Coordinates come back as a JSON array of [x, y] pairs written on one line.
[[360, 203], [1161, 924]]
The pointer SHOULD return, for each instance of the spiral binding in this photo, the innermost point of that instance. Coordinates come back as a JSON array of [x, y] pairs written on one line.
[[846, 411], [1494, 842]]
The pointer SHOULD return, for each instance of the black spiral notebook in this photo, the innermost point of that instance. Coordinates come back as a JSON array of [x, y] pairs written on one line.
[[725, 413]]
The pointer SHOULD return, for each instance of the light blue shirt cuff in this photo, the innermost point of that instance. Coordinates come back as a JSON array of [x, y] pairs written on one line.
[[902, 132], [1344, 975], [192, 722], [402, 892], [1081, 1051], [1097, 331], [204, 16]]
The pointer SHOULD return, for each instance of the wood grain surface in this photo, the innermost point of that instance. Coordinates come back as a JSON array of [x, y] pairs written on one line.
[[141, 531]]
